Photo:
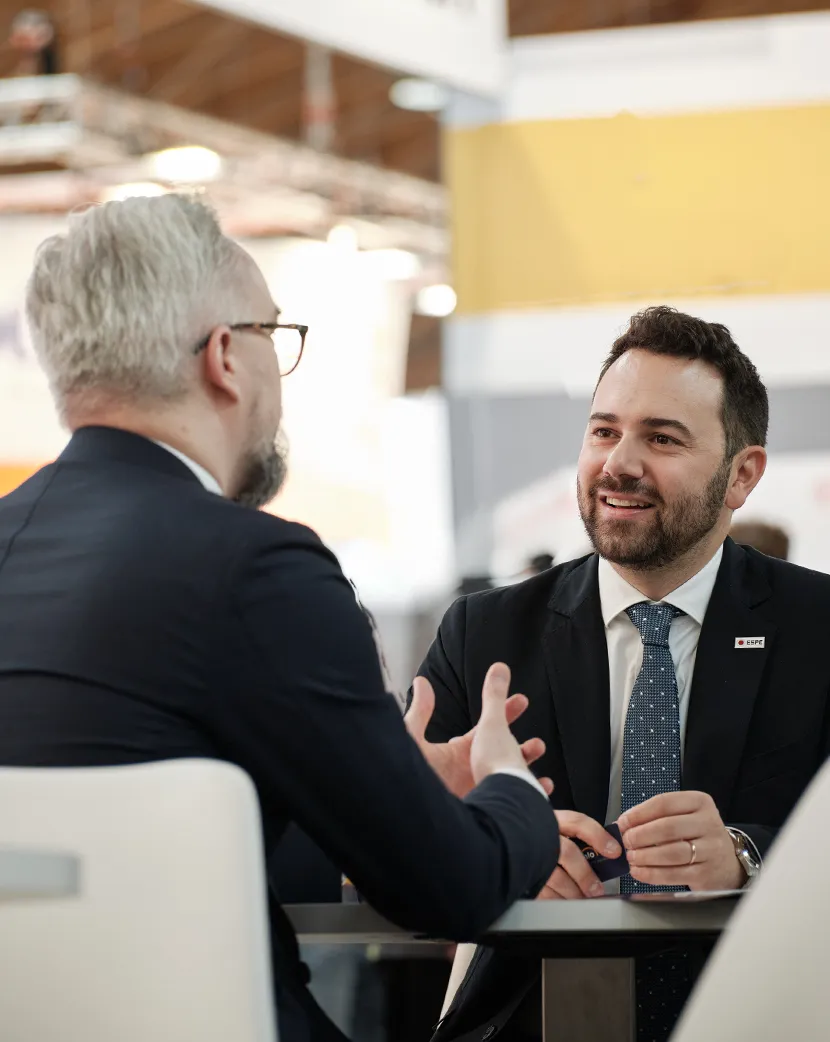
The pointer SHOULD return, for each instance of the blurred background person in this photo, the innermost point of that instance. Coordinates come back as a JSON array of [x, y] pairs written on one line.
[[34, 40], [473, 584], [536, 564], [539, 563], [769, 539]]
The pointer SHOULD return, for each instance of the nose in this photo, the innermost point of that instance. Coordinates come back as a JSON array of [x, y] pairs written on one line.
[[624, 460]]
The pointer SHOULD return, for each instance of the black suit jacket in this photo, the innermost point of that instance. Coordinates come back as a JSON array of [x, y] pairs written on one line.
[[144, 618], [758, 722]]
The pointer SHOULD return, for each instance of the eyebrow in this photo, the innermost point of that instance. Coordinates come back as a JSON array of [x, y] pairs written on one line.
[[662, 421], [652, 422]]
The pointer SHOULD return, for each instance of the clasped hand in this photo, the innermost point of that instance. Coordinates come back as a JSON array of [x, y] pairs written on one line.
[[675, 839], [679, 839]]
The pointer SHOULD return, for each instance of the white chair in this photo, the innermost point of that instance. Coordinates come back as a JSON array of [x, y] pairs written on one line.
[[168, 939], [767, 980]]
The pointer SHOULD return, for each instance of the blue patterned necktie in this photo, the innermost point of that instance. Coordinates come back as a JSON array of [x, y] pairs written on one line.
[[651, 765]]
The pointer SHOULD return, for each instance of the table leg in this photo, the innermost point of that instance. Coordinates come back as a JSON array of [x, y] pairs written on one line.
[[588, 1000]]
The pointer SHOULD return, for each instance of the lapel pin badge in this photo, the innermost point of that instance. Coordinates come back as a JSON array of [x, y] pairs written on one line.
[[749, 642]]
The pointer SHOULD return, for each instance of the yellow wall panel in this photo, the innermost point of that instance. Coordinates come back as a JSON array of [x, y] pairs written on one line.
[[576, 212]]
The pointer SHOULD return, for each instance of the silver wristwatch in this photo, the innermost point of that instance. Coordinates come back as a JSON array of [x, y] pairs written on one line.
[[746, 853]]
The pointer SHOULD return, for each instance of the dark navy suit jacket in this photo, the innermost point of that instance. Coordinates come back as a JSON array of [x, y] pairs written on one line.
[[758, 725], [144, 618]]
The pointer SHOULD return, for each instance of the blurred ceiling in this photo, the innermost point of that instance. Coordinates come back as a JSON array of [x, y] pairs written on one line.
[[528, 17], [183, 54]]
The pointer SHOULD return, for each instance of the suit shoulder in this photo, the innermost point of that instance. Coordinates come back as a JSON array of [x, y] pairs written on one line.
[[787, 578], [529, 595], [265, 526], [259, 531], [32, 486]]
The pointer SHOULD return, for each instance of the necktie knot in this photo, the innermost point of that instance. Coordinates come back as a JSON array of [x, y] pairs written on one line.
[[653, 621]]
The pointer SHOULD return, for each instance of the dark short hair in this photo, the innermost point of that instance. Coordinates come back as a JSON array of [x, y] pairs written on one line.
[[540, 563], [666, 331]]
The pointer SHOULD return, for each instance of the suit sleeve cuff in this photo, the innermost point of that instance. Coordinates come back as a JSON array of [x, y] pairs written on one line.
[[525, 776]]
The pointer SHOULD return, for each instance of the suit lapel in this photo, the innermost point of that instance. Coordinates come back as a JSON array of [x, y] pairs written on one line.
[[576, 658], [726, 679]]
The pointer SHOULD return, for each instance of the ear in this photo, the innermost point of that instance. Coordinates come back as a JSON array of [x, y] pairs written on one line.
[[220, 366], [747, 470]]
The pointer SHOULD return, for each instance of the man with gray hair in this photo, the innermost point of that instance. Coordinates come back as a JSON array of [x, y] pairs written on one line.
[[119, 308], [149, 613]]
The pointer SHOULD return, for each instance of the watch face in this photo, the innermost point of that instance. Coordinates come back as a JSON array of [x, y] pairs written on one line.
[[743, 853]]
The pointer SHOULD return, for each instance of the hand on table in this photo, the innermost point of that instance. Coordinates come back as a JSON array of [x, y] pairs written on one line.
[[463, 762], [678, 839], [574, 878]]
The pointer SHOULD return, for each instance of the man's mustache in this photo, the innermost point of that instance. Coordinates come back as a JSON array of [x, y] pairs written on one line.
[[626, 485]]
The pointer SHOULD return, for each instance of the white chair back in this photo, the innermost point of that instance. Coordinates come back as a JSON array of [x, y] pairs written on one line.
[[168, 938], [767, 980]]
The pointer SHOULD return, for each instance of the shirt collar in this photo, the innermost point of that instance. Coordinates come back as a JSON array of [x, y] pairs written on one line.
[[615, 594], [204, 476]]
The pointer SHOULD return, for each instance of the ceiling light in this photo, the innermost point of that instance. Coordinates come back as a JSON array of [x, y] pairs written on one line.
[[133, 190], [418, 95], [436, 301], [190, 164]]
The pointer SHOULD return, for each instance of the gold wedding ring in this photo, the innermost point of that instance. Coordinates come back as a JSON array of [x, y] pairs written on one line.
[[693, 857]]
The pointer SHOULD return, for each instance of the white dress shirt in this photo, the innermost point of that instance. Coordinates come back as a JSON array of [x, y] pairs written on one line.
[[206, 478], [625, 651]]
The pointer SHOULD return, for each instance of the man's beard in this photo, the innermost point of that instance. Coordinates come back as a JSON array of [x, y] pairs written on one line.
[[263, 473], [672, 531]]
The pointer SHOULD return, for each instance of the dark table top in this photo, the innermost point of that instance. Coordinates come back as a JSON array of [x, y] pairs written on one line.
[[607, 927]]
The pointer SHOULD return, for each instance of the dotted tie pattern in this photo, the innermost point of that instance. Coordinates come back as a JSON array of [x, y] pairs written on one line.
[[651, 765]]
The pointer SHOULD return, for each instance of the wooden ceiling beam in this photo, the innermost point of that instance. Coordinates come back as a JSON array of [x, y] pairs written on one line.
[[271, 108], [420, 156], [354, 89], [744, 8], [160, 17], [177, 40], [196, 65], [414, 149], [369, 120], [531, 17], [262, 67], [282, 97], [239, 70]]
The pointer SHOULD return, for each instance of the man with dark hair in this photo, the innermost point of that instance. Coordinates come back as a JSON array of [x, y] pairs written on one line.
[[679, 680], [664, 331]]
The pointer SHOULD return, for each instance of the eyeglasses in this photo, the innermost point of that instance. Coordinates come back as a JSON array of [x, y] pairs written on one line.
[[288, 340]]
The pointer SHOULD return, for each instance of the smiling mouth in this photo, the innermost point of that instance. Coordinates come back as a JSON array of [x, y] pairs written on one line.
[[624, 503]]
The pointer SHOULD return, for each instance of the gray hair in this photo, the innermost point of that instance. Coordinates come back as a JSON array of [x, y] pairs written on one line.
[[117, 304]]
